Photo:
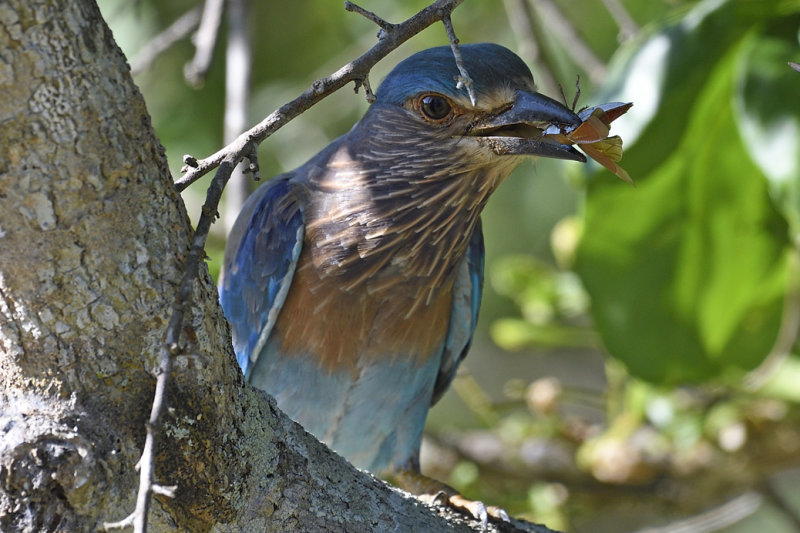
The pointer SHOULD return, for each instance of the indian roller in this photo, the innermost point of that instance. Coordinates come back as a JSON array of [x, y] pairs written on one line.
[[352, 283]]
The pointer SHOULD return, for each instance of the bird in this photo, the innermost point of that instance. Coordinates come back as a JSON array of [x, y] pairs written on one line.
[[352, 284]]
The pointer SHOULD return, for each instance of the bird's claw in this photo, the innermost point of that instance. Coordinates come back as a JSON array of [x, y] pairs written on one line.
[[499, 513], [474, 507], [477, 509], [433, 492]]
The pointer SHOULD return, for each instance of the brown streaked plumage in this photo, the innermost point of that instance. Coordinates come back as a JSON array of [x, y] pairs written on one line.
[[373, 321], [367, 231]]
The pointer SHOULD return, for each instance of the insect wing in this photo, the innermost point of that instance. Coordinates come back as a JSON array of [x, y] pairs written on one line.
[[606, 161], [612, 110], [610, 147], [592, 129]]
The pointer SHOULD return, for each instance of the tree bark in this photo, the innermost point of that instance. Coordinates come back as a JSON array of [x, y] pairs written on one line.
[[92, 241]]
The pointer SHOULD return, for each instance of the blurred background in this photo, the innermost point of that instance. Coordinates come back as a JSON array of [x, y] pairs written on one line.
[[636, 364]]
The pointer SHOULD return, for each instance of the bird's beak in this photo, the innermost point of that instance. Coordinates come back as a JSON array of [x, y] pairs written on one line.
[[518, 129]]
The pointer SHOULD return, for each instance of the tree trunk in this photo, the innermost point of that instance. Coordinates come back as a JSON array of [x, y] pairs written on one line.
[[92, 240]]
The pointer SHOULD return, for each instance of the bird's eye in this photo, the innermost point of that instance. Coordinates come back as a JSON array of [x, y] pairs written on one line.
[[434, 107]]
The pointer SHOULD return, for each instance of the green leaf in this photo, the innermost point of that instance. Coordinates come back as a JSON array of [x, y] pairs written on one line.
[[687, 271], [664, 72], [768, 112]]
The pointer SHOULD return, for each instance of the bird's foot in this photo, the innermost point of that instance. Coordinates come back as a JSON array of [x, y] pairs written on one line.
[[477, 509], [434, 492]]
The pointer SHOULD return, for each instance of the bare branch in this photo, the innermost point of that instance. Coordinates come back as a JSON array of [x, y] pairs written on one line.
[[204, 41], [238, 64], [164, 40], [463, 80], [522, 24], [355, 70], [715, 519], [627, 26], [573, 42], [368, 94], [386, 26], [252, 167]]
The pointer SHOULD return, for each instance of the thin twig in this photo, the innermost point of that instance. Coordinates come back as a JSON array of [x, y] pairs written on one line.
[[714, 519], [463, 80], [161, 42], [171, 349], [788, 330], [355, 70], [238, 64], [368, 94], [204, 41], [386, 26], [521, 21], [573, 43], [627, 26]]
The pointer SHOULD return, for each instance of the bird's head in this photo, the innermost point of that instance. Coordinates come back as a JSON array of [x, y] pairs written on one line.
[[420, 101], [406, 186]]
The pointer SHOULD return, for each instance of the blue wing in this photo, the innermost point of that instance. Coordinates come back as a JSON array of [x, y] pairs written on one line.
[[467, 291], [260, 260]]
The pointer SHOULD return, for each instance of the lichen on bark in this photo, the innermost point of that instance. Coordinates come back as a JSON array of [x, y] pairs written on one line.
[[92, 236]]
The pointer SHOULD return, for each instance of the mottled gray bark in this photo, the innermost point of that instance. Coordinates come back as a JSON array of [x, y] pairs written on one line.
[[92, 239]]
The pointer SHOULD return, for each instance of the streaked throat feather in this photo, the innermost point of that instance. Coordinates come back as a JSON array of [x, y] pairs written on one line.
[[399, 205]]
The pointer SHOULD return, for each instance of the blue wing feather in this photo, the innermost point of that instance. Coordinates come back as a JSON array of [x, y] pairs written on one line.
[[467, 291], [260, 261]]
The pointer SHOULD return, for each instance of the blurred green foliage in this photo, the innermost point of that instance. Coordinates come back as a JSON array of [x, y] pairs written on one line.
[[692, 276], [687, 272]]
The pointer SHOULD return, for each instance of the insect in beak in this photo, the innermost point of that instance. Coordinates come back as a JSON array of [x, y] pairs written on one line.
[[592, 135]]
